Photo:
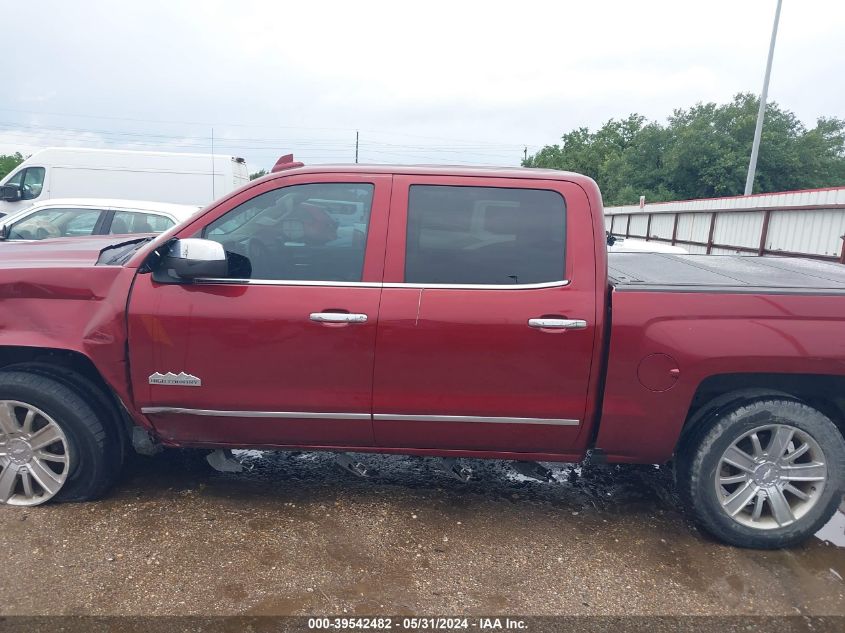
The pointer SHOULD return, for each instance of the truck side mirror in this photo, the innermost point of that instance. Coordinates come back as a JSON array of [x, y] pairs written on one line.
[[191, 258], [10, 193], [5, 229]]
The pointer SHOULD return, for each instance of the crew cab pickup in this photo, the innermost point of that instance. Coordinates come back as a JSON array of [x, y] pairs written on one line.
[[428, 311]]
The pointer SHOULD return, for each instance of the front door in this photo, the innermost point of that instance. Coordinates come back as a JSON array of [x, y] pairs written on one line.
[[281, 351], [486, 326]]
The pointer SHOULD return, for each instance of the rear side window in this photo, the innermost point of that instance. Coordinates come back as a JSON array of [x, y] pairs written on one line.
[[129, 222], [484, 235], [308, 232]]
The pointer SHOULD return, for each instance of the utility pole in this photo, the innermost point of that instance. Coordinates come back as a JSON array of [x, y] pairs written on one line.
[[525, 153], [761, 114], [213, 194], [356, 147]]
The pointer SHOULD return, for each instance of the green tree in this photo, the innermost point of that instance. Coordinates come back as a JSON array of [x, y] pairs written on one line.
[[258, 174], [8, 162], [701, 152]]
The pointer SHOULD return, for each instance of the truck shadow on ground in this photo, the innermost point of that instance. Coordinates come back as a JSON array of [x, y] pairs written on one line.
[[629, 517], [297, 534], [295, 475], [588, 489]]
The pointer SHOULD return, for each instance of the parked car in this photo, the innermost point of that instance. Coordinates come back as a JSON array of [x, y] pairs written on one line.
[[633, 245], [67, 172], [463, 313], [82, 217]]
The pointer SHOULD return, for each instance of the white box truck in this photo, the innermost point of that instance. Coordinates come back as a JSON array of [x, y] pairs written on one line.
[[66, 172]]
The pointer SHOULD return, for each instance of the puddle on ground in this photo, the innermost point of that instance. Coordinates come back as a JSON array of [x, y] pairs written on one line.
[[834, 531], [296, 533], [607, 484]]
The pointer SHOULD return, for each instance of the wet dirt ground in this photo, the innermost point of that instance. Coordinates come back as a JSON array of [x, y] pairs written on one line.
[[298, 535]]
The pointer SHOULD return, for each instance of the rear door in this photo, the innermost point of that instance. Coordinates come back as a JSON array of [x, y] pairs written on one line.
[[281, 351], [486, 327]]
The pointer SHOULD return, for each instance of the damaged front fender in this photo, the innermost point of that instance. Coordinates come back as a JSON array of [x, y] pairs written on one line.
[[65, 304]]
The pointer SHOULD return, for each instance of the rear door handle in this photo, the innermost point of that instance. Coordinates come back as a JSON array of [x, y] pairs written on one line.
[[338, 317], [547, 323]]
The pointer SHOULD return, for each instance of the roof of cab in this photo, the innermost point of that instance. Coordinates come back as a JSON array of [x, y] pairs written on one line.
[[440, 170]]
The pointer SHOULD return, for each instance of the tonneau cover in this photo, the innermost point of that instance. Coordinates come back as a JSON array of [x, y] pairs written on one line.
[[724, 273]]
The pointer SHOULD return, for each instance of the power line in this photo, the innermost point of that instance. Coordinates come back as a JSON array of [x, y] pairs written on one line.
[[194, 141], [250, 125], [315, 152]]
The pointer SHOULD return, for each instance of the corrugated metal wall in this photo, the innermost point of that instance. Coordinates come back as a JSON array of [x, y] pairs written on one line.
[[813, 231], [662, 226], [693, 227], [739, 229], [806, 223]]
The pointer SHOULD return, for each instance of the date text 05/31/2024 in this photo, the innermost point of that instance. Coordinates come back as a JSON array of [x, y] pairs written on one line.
[[417, 624]]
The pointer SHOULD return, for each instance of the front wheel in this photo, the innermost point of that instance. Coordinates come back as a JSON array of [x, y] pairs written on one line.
[[763, 474], [53, 444]]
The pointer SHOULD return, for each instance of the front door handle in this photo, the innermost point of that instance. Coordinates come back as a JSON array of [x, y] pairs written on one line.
[[338, 317], [548, 323]]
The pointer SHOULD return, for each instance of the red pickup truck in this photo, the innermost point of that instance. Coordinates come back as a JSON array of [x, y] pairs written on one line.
[[428, 311]]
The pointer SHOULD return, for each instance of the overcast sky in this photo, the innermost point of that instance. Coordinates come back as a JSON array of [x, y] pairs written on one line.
[[445, 82]]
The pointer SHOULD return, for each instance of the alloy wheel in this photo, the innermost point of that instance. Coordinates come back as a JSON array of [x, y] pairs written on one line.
[[34, 455], [771, 476]]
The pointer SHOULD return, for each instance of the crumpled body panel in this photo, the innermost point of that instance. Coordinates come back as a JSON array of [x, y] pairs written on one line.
[[53, 296]]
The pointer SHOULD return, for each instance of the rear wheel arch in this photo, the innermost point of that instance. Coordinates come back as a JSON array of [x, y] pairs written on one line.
[[723, 391]]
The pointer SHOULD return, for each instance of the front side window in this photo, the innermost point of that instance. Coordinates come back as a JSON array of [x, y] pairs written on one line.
[[55, 222], [33, 183], [131, 222], [310, 232], [484, 235]]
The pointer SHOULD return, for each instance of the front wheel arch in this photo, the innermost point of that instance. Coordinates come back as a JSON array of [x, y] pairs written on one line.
[[76, 371]]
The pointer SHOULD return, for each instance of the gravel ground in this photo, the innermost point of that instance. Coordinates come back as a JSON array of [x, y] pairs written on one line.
[[295, 534]]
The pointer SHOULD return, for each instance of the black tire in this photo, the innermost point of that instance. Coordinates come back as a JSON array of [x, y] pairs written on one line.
[[104, 407], [703, 449], [94, 444]]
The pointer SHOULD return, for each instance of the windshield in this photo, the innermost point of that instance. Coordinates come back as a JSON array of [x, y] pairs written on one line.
[[54, 222], [16, 215]]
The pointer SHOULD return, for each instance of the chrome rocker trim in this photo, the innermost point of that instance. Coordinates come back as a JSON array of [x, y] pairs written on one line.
[[379, 417], [256, 414]]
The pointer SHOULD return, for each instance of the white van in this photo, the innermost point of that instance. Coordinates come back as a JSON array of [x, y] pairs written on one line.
[[66, 172]]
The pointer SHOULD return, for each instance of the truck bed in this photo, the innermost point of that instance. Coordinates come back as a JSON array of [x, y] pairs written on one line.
[[659, 272]]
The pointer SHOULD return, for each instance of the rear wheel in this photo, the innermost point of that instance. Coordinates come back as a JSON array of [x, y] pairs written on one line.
[[53, 445], [764, 474]]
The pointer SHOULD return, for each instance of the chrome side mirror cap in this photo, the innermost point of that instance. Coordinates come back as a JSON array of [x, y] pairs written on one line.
[[192, 258]]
